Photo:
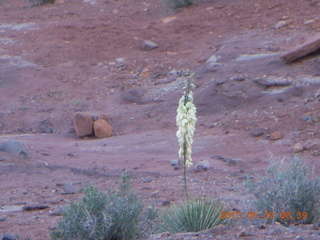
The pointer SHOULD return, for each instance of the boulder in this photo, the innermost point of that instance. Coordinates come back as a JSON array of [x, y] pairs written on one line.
[[202, 166], [14, 147], [311, 45], [102, 128], [84, 121], [83, 124]]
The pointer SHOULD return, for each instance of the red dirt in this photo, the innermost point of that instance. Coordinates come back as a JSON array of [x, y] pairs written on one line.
[[61, 58]]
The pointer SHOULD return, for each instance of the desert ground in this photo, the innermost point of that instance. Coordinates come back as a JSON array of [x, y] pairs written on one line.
[[74, 56]]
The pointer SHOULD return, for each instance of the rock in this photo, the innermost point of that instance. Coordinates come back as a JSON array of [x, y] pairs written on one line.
[[14, 147], [134, 95], [297, 148], [202, 166], [35, 207], [276, 135], [212, 62], [145, 73], [7, 236], [47, 127], [257, 132], [217, 230], [310, 145], [307, 119], [311, 44], [68, 189], [274, 81], [232, 161], [148, 179], [2, 219], [154, 194], [166, 203], [149, 45], [102, 128], [83, 124], [168, 19], [281, 24], [174, 162]]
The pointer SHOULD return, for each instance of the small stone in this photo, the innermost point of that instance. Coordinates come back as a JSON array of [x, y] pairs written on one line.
[[148, 179], [176, 168], [166, 203], [202, 166], [102, 128], [276, 135], [2, 219], [257, 132], [149, 45], [47, 127], [217, 230], [68, 189], [174, 162], [297, 148], [35, 207], [232, 161], [154, 194], [245, 234], [7, 236], [134, 95], [145, 73], [281, 24], [307, 119], [168, 19]]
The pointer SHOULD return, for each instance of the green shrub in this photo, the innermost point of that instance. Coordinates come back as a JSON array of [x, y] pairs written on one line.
[[100, 216], [175, 4], [288, 192], [192, 216], [33, 3]]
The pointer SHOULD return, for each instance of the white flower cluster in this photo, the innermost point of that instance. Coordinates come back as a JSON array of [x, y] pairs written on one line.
[[186, 121]]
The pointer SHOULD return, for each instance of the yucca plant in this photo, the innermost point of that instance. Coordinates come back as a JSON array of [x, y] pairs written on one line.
[[192, 216], [196, 214], [186, 121]]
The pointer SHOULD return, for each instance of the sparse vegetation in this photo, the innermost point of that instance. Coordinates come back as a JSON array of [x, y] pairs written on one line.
[[192, 216], [33, 3], [100, 216], [288, 192], [175, 4], [186, 122], [196, 214]]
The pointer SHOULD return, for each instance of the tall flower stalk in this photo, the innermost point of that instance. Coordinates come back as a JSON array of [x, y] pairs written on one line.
[[186, 121]]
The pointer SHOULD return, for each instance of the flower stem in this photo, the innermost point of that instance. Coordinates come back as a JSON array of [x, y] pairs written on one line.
[[185, 177]]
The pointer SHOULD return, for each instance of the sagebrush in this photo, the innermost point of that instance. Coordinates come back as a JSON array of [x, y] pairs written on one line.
[[175, 4], [33, 3], [289, 192], [99, 216]]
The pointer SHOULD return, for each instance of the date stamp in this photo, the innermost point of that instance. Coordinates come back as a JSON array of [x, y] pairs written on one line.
[[264, 215]]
